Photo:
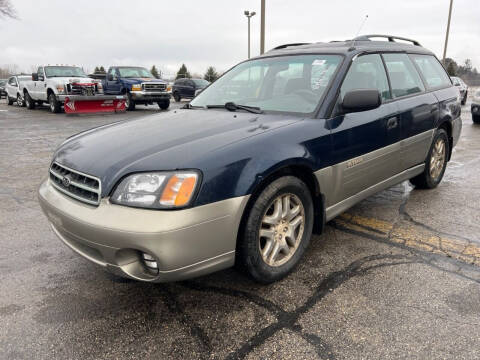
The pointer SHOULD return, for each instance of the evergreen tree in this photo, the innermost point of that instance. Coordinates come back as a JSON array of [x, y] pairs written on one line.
[[96, 70], [102, 69], [154, 71], [211, 74], [183, 73]]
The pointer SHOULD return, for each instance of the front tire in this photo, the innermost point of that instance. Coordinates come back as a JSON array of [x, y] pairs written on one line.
[[20, 101], [177, 96], [277, 230], [435, 164], [129, 103], [54, 104], [164, 104], [29, 103]]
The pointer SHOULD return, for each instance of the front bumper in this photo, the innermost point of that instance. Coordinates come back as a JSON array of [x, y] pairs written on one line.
[[150, 95], [185, 243]]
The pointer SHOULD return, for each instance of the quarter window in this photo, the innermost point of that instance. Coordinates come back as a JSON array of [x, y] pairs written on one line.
[[433, 73], [404, 78], [367, 72]]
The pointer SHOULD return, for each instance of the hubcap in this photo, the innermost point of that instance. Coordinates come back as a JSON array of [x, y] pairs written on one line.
[[281, 229], [52, 102], [437, 159], [19, 100]]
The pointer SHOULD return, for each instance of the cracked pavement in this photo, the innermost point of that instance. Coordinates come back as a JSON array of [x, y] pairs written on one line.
[[396, 276]]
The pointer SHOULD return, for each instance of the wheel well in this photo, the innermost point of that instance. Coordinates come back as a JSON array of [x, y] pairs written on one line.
[[49, 91], [448, 128], [303, 173]]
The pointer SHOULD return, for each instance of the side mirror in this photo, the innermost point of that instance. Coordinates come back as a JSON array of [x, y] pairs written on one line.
[[34, 76], [110, 77], [361, 100]]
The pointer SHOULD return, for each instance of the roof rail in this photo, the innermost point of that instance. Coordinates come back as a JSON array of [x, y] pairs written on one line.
[[390, 38], [284, 46]]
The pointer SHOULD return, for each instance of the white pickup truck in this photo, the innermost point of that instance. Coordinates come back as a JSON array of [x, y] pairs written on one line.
[[53, 83]]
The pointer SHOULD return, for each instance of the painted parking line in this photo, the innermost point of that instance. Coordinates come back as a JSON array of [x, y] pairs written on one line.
[[412, 235]]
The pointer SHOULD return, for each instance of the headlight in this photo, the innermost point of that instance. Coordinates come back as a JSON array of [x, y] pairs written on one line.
[[158, 190], [137, 87], [60, 89]]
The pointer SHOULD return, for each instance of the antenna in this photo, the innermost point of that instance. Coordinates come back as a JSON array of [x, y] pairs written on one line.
[[358, 32]]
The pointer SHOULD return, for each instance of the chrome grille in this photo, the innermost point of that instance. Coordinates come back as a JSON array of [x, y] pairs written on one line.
[[154, 87], [80, 186], [77, 89]]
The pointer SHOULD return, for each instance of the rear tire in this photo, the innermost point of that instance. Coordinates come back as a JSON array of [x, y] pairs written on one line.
[[435, 164], [177, 96], [464, 100], [9, 100], [129, 103], [275, 225], [55, 105], [29, 103], [164, 105], [476, 119]]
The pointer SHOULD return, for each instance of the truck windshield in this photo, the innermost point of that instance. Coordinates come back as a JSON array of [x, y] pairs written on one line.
[[292, 84], [64, 71], [135, 72]]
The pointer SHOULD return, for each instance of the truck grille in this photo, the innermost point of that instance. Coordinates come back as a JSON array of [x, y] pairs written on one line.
[[79, 186], [80, 89], [154, 87]]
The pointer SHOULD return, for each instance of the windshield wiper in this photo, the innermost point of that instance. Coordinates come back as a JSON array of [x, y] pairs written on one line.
[[231, 106], [190, 106]]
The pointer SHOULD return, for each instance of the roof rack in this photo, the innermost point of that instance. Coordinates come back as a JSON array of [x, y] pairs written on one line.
[[390, 38], [284, 46]]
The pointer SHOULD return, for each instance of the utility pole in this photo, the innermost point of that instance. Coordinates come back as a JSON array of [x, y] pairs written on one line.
[[448, 31], [262, 28], [249, 14]]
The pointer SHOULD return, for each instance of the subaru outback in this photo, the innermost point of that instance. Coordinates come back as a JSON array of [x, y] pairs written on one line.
[[257, 162]]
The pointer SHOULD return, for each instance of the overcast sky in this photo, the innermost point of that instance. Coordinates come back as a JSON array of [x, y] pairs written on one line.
[[214, 32]]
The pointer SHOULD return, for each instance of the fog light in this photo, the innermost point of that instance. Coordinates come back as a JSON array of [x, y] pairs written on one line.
[[150, 263]]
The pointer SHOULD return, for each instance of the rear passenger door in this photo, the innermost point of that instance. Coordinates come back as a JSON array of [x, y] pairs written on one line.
[[366, 145], [418, 110]]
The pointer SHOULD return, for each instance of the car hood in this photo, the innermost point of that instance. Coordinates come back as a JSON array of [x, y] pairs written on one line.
[[70, 79], [143, 80], [176, 140]]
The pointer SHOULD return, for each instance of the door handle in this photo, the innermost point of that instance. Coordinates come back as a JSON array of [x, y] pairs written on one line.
[[392, 123]]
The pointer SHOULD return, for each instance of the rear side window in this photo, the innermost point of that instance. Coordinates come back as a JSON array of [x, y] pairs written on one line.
[[404, 78], [367, 72], [432, 71]]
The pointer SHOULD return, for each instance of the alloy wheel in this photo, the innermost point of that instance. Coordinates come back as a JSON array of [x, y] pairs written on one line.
[[281, 229], [437, 159]]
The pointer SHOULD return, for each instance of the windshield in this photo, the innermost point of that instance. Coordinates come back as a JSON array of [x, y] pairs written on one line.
[[293, 84], [200, 82], [64, 71], [135, 72]]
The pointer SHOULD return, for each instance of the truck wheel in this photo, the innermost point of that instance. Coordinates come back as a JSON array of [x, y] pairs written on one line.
[[476, 119], [20, 100], [177, 96], [55, 105], [129, 103], [277, 230], [29, 103], [164, 104], [435, 164], [9, 100]]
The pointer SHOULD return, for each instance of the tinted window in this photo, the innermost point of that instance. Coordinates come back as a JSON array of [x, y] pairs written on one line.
[[367, 72], [293, 84], [404, 78], [432, 71]]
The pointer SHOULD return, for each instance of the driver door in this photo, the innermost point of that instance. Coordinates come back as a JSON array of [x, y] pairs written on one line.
[[113, 83]]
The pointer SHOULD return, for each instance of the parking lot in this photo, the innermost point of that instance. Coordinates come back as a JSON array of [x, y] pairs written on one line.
[[397, 276]]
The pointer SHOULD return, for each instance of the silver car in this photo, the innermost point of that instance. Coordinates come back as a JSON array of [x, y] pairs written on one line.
[[458, 82], [14, 88]]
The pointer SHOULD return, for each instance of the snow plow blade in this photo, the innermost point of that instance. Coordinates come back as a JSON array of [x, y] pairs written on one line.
[[79, 104]]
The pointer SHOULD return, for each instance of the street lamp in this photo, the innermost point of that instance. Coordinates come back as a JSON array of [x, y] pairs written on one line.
[[249, 14]]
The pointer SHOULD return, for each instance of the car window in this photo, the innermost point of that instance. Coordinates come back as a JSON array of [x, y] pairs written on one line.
[[367, 72], [404, 78], [432, 71], [112, 72], [292, 84], [455, 81], [12, 81]]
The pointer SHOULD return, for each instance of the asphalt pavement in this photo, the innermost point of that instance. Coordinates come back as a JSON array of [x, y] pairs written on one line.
[[397, 276]]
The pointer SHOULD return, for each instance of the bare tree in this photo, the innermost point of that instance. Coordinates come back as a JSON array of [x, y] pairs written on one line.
[[7, 10]]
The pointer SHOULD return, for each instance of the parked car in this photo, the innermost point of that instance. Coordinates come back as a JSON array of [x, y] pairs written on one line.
[[458, 82], [476, 107], [51, 84], [3, 93], [138, 85], [245, 175], [188, 88], [14, 88]]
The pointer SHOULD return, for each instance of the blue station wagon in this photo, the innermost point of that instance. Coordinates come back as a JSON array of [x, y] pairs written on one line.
[[257, 162]]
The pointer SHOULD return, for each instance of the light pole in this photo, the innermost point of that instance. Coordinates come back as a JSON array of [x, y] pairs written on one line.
[[448, 31], [249, 14], [262, 27]]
